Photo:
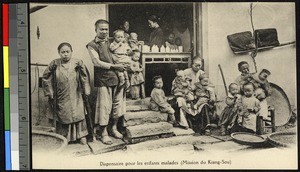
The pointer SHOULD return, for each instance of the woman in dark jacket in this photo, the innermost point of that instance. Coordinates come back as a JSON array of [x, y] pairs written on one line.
[[157, 35]]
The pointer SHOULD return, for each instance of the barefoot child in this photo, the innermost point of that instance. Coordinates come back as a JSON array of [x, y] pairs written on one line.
[[158, 100]]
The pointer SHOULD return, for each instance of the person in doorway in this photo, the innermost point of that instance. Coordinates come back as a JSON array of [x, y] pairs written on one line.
[[178, 41], [125, 26], [111, 97], [67, 89], [157, 35], [170, 42]]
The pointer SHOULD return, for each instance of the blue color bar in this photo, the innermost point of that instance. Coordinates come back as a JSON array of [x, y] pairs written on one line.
[[7, 151]]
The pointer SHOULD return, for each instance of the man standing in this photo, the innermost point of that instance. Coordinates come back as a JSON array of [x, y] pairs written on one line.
[[110, 96]]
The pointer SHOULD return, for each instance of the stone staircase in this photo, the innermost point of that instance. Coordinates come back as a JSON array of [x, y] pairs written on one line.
[[143, 124]]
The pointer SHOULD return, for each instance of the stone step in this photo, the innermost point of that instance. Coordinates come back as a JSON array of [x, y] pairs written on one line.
[[147, 138], [142, 117], [137, 105], [136, 108], [149, 129], [138, 102], [181, 132]]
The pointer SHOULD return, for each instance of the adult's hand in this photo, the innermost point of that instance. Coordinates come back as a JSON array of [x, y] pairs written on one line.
[[141, 42], [119, 67]]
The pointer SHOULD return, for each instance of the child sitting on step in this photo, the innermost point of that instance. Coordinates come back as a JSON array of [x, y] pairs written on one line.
[[158, 100]]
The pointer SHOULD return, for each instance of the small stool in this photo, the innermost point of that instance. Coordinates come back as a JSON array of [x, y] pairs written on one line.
[[261, 122]]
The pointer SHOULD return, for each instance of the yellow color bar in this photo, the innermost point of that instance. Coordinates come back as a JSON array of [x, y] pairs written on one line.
[[6, 66]]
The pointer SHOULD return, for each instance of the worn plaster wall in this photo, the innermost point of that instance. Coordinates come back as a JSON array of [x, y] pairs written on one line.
[[222, 19], [60, 23]]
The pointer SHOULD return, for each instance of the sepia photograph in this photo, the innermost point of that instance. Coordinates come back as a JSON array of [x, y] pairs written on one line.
[[163, 85]]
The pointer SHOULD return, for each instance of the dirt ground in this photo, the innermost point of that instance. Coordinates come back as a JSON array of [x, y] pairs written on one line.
[[186, 150]]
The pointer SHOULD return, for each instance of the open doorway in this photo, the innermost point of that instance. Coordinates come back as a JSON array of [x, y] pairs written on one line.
[[175, 17]]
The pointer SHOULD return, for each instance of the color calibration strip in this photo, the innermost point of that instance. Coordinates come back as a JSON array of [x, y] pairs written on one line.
[[13, 87], [5, 24]]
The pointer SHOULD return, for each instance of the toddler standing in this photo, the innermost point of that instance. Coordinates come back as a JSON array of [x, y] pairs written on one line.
[[228, 115], [136, 78], [248, 108]]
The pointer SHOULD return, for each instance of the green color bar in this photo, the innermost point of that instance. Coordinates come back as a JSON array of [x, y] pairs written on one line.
[[6, 110]]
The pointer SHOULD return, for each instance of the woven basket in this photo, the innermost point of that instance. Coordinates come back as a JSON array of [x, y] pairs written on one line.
[[277, 143], [49, 142], [255, 143]]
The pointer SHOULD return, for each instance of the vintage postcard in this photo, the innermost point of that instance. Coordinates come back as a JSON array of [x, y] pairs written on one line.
[[152, 85]]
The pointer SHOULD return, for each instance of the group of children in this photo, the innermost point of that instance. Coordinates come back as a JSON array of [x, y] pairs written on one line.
[[126, 50], [246, 100], [191, 97]]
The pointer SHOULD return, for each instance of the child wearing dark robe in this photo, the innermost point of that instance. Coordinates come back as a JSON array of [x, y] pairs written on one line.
[[228, 115], [137, 89]]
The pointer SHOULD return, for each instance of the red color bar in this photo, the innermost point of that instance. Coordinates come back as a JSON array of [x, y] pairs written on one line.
[[5, 24]]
